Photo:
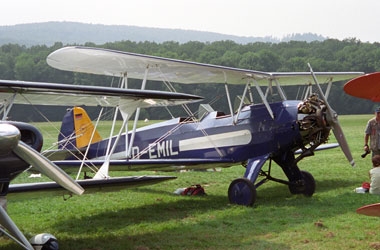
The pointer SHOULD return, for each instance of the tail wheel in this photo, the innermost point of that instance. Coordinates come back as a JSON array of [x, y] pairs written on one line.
[[307, 187], [242, 192]]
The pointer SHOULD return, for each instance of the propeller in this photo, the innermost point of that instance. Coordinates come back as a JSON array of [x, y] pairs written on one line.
[[10, 142], [332, 119]]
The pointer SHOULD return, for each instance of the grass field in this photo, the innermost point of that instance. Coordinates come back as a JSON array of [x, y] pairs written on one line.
[[152, 217]]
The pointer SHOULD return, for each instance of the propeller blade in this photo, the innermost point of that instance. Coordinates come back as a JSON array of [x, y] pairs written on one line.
[[51, 170], [339, 135], [10, 142], [332, 119]]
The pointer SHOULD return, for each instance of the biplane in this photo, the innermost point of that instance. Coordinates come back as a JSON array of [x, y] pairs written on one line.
[[21, 143], [250, 135], [366, 87]]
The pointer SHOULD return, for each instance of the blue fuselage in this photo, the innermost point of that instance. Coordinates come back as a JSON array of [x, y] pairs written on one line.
[[214, 137]]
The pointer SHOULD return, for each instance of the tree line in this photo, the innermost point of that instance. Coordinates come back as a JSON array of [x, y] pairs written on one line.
[[19, 62]]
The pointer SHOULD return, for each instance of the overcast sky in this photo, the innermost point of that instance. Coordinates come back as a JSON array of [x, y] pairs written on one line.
[[331, 18]]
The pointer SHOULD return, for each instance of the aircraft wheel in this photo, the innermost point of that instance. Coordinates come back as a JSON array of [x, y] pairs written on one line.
[[242, 192], [308, 187], [44, 241]]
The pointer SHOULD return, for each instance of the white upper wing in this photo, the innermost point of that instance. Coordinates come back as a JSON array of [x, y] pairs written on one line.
[[117, 63]]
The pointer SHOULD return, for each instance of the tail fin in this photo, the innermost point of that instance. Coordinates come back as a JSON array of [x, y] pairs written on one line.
[[77, 130]]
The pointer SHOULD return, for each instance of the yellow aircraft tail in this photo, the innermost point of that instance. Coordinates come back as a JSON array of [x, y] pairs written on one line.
[[77, 130]]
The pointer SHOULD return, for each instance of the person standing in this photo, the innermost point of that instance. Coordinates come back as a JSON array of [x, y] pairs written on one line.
[[372, 134]]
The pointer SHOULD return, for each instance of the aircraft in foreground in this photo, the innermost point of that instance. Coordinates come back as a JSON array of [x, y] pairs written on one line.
[[250, 135], [21, 143], [19, 148]]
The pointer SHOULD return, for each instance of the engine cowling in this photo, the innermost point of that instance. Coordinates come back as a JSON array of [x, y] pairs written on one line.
[[10, 164], [313, 124]]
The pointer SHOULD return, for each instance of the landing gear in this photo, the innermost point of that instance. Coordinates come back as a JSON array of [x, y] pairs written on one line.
[[242, 192], [44, 241], [305, 186]]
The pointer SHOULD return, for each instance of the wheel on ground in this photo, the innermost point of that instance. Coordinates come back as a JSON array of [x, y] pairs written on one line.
[[242, 192], [44, 241], [306, 187]]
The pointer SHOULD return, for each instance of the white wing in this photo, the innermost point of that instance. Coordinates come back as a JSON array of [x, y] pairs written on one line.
[[117, 63]]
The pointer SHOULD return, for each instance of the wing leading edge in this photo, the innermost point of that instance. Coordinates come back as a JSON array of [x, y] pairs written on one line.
[[39, 93], [116, 63]]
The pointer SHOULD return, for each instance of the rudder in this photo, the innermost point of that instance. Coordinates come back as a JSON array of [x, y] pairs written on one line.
[[77, 130]]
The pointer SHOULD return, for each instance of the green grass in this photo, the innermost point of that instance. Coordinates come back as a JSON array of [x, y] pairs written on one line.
[[151, 217]]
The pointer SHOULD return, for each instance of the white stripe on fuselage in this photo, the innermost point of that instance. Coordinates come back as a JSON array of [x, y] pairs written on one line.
[[236, 138], [165, 148]]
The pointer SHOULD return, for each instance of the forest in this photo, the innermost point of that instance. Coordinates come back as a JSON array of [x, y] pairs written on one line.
[[29, 64]]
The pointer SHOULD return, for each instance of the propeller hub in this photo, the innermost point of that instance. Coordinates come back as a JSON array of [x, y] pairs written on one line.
[[9, 138], [312, 120]]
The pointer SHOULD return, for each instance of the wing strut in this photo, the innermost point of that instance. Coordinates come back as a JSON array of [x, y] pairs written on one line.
[[112, 130], [103, 171], [126, 110], [328, 89], [228, 97], [308, 92], [122, 85], [250, 93], [241, 101], [280, 90], [7, 106], [265, 101], [137, 115]]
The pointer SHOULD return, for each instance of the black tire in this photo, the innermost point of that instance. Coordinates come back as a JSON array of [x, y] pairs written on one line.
[[242, 192], [50, 245], [308, 186]]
